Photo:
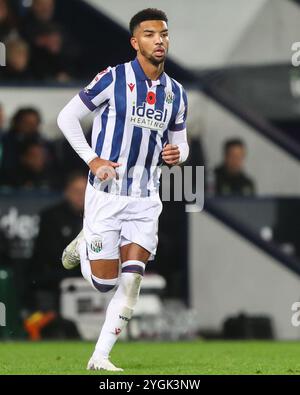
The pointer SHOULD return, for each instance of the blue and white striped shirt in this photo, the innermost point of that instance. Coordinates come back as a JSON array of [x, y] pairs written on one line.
[[133, 119]]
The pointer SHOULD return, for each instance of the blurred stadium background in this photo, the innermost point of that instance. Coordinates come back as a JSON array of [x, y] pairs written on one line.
[[231, 271]]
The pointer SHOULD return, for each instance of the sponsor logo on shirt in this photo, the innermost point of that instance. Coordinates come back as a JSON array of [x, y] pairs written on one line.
[[148, 117]]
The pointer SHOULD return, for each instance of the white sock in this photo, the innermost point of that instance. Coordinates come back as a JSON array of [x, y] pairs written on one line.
[[121, 307]]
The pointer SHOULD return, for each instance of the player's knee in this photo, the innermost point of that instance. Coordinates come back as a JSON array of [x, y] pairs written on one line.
[[108, 268], [104, 285]]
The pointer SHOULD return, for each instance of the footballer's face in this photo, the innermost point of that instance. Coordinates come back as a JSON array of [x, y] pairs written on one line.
[[151, 40]]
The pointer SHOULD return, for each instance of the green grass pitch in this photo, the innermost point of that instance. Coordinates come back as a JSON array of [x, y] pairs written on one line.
[[196, 357]]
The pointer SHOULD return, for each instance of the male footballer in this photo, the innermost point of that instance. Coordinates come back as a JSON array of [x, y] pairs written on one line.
[[139, 124]]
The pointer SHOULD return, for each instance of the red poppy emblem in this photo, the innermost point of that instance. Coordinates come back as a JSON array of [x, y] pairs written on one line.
[[151, 98]]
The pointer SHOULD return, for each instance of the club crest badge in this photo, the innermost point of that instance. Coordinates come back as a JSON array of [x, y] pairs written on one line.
[[96, 245], [169, 97]]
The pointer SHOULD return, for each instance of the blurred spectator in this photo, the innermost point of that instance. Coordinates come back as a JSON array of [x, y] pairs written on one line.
[[51, 60], [17, 62], [230, 178], [41, 12], [58, 226], [7, 21], [53, 54], [24, 128], [34, 170]]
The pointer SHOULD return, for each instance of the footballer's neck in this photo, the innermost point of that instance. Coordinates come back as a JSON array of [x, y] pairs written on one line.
[[151, 70]]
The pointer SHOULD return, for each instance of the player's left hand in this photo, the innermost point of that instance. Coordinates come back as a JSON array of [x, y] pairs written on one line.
[[171, 154]]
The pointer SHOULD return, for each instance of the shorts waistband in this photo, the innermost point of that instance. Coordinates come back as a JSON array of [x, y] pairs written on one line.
[[113, 196]]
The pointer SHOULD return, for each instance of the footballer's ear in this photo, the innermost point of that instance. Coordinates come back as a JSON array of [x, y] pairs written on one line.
[[134, 43]]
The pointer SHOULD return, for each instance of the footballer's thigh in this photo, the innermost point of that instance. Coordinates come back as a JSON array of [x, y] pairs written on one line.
[[139, 235], [101, 228], [105, 268], [104, 274], [103, 256], [103, 252], [134, 252]]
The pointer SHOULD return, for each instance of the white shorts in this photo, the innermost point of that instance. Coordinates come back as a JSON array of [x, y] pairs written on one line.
[[111, 221]]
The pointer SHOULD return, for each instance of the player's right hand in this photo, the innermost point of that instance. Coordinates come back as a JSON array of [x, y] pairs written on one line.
[[104, 169]]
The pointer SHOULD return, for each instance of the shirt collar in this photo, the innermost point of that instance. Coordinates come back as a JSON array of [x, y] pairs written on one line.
[[139, 73]]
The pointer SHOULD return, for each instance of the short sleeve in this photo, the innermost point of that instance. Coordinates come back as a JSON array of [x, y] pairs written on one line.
[[179, 122], [99, 90]]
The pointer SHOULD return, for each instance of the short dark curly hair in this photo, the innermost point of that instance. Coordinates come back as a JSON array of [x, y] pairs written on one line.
[[148, 14]]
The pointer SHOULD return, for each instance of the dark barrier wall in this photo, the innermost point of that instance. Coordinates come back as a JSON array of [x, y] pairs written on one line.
[[19, 221], [19, 226]]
